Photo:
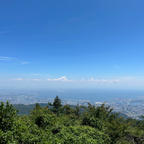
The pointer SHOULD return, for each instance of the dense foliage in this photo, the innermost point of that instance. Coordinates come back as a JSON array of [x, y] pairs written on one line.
[[63, 124]]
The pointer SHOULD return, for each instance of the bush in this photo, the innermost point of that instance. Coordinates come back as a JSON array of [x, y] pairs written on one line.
[[82, 135]]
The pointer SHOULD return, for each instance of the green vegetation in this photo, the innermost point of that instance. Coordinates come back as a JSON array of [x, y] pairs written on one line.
[[58, 124]]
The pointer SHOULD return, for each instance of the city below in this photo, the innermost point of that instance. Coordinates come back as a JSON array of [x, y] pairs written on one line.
[[129, 104]]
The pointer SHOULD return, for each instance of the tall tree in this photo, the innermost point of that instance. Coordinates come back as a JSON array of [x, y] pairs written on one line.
[[7, 116], [57, 104]]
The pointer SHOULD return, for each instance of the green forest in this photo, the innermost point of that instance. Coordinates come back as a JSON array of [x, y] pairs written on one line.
[[63, 124]]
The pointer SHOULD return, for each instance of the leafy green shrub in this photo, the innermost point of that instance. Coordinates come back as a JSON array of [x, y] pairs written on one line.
[[7, 116], [82, 135]]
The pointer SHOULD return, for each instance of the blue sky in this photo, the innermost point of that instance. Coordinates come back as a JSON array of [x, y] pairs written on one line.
[[80, 42]]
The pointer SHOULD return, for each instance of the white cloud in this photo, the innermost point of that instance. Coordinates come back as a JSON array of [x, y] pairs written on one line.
[[35, 79], [26, 79], [97, 81], [63, 78], [120, 82], [5, 58], [18, 79], [104, 80], [24, 62]]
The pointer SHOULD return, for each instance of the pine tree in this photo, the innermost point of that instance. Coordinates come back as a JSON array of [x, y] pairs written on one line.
[[57, 105]]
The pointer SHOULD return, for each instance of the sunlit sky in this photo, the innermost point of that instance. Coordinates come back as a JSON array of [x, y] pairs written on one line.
[[72, 43]]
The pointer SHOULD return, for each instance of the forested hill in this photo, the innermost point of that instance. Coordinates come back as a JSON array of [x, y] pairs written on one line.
[[26, 109], [54, 123]]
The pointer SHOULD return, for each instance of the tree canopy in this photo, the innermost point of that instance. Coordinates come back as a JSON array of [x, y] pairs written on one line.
[[65, 124]]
